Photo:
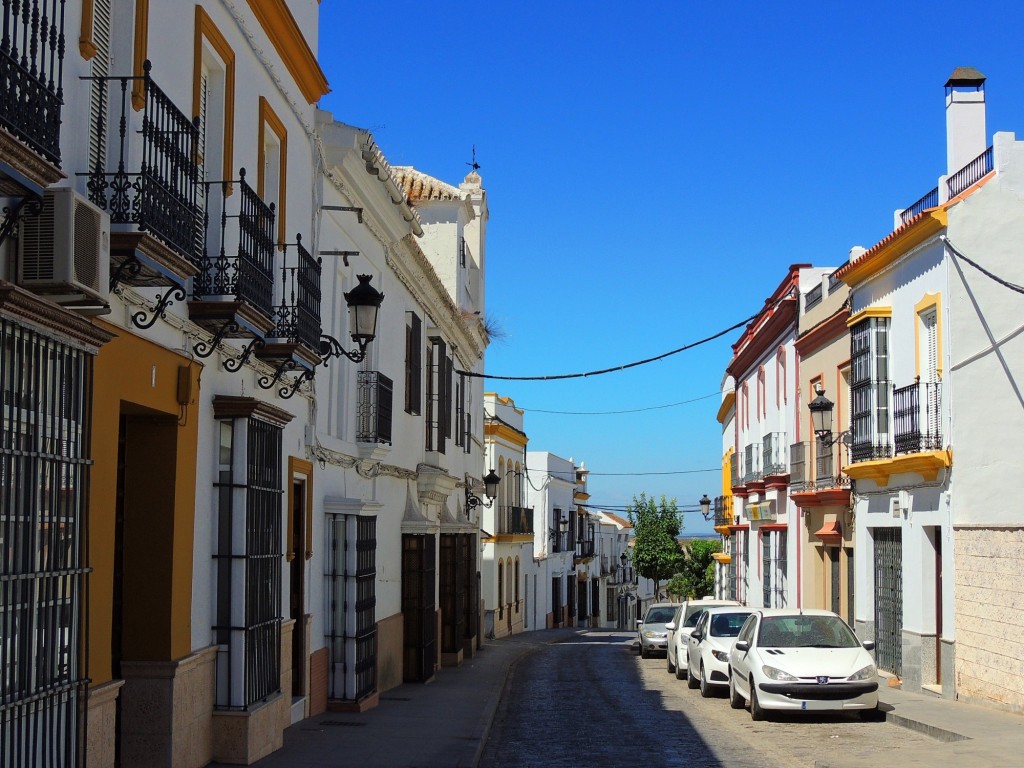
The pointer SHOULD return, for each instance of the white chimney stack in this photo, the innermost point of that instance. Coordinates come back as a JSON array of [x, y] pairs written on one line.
[[965, 118]]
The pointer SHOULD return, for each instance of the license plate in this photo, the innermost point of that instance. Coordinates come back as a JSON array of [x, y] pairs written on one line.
[[813, 704]]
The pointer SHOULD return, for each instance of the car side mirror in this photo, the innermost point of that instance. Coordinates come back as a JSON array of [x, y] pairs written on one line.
[[742, 645], [869, 645], [639, 623], [697, 635], [671, 626]]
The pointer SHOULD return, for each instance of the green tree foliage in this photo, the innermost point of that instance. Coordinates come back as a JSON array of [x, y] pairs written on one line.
[[656, 527], [696, 576]]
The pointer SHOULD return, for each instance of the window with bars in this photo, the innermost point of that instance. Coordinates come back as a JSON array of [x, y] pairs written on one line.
[[870, 389], [44, 465], [773, 570], [248, 557], [352, 599]]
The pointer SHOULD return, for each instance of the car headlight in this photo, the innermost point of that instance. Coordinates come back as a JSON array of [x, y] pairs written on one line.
[[772, 673], [864, 674], [654, 635], [720, 655]]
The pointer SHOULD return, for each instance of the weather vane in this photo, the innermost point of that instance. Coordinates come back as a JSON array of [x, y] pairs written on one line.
[[474, 165]]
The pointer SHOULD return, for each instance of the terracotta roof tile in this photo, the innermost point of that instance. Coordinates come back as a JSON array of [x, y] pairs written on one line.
[[419, 187]]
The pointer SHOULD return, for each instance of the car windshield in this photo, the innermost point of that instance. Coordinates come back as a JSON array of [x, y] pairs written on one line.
[[727, 624], [805, 632], [692, 617], [659, 615]]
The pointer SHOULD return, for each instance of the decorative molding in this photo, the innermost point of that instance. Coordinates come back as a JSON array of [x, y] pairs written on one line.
[[290, 44], [268, 119], [893, 247], [51, 319], [235, 406], [927, 464], [207, 30]]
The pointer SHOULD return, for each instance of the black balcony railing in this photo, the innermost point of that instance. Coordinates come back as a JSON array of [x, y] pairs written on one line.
[[298, 315], [31, 73], [585, 548], [559, 541], [156, 186], [928, 200], [723, 510], [515, 520], [376, 392], [916, 418], [237, 260], [970, 173]]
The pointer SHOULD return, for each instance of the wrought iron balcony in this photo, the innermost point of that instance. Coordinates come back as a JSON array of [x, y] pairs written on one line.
[[233, 293], [916, 418], [149, 183], [970, 173], [584, 548], [298, 314], [926, 201], [376, 392], [515, 520], [559, 541], [773, 455], [32, 71], [723, 511]]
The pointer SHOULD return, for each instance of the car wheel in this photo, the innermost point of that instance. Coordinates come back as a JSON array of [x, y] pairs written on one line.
[[756, 713], [668, 662], [705, 689], [735, 700], [691, 680], [680, 672], [644, 653]]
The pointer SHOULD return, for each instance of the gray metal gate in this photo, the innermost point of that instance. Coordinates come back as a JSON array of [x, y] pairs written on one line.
[[889, 599]]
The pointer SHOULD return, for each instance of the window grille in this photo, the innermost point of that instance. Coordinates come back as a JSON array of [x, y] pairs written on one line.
[[352, 601]]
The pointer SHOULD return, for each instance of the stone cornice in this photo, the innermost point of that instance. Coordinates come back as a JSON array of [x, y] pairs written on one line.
[[51, 319], [763, 337], [824, 332], [228, 406], [894, 246]]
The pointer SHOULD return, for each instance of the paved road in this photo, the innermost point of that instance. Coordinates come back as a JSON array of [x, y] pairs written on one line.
[[593, 698]]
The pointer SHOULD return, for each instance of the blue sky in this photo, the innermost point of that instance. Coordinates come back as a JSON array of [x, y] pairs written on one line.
[[652, 169]]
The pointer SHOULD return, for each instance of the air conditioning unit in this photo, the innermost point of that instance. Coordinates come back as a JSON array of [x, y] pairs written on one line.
[[64, 252]]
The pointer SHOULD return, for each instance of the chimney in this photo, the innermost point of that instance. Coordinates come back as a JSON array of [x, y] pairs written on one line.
[[965, 118]]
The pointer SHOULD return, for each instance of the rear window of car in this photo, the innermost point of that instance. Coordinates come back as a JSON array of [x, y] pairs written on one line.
[[728, 624], [805, 632], [659, 615]]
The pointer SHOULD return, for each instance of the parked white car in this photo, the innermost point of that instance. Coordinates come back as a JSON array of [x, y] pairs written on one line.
[[678, 631], [801, 660], [709, 645]]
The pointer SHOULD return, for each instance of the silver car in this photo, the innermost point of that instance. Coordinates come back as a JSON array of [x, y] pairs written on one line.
[[651, 628]]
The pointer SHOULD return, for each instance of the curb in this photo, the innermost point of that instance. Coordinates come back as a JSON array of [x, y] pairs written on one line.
[[939, 734]]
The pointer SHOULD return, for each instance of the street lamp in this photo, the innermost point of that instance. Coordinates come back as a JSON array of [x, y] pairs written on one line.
[[491, 481], [363, 306], [705, 506], [821, 417]]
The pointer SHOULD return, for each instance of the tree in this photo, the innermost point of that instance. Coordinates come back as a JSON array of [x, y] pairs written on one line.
[[655, 554], [696, 576]]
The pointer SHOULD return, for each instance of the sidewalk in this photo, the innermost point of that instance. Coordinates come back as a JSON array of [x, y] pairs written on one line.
[[443, 723], [965, 734]]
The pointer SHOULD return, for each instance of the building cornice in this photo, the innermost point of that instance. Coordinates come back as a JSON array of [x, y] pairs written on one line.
[[826, 331], [764, 337], [289, 42], [919, 229], [926, 463], [501, 431], [727, 404], [51, 319]]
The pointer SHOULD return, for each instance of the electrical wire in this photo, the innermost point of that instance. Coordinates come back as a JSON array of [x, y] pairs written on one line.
[[612, 413], [617, 367], [957, 253]]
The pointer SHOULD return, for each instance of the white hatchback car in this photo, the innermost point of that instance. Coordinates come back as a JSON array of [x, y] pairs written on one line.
[[801, 660], [679, 631], [709, 645]]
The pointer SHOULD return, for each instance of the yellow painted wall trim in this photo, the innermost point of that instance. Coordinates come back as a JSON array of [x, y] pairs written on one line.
[[206, 30], [86, 44], [141, 52], [728, 402], [928, 301], [894, 246], [287, 39], [867, 312], [501, 431], [927, 464], [270, 120], [722, 558]]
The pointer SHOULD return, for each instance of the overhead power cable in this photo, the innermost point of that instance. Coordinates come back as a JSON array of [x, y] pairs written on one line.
[[959, 254], [617, 367], [612, 413]]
